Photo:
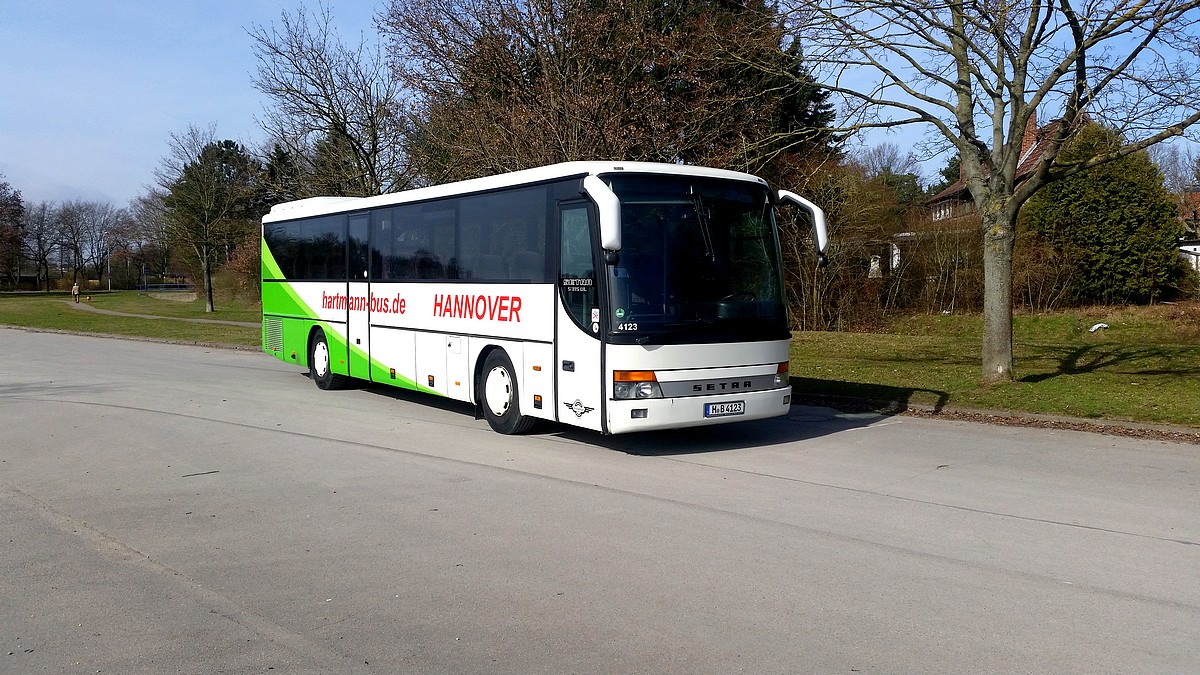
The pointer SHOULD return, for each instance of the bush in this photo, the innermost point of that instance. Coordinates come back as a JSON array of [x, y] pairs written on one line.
[[241, 278]]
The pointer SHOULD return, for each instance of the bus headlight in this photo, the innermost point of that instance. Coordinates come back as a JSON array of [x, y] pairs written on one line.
[[781, 375], [635, 384]]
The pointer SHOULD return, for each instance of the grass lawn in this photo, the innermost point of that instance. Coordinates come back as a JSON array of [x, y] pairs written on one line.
[[1144, 367], [172, 304], [55, 311]]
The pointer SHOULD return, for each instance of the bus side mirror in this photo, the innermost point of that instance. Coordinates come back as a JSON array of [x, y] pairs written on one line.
[[609, 208], [820, 234]]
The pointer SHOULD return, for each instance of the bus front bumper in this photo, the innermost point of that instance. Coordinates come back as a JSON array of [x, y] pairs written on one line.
[[626, 416]]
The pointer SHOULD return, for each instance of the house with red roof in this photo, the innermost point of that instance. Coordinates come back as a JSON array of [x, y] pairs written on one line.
[[955, 201]]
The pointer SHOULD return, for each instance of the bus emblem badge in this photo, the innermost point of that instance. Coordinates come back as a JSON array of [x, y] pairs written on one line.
[[578, 408]]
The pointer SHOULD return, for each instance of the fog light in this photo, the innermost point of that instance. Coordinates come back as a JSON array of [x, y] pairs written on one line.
[[638, 413], [787, 399]]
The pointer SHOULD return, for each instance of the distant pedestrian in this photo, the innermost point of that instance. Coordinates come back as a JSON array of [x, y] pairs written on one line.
[[75, 291]]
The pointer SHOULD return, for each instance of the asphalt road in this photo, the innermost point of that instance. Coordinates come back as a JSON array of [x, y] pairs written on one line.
[[168, 508]]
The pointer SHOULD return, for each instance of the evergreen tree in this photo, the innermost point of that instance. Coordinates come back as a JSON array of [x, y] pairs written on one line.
[[12, 210], [282, 178], [1116, 223], [333, 171], [212, 197]]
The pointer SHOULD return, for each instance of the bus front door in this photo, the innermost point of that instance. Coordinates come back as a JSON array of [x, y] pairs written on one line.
[[578, 362]]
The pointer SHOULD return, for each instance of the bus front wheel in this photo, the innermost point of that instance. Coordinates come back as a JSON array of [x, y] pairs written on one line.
[[499, 401], [320, 368]]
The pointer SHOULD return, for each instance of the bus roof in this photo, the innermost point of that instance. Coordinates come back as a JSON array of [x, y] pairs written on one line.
[[316, 206]]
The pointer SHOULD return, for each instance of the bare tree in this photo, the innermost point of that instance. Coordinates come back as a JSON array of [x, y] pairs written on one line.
[[149, 229], [977, 72], [124, 268], [40, 238], [1176, 164], [1181, 175], [500, 85], [101, 223], [72, 235], [86, 233], [325, 91], [886, 159]]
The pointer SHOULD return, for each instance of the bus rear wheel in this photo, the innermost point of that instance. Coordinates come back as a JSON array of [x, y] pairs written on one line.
[[320, 369], [498, 397]]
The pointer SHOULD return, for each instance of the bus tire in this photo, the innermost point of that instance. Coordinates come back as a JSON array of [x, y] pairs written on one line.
[[320, 363], [498, 395]]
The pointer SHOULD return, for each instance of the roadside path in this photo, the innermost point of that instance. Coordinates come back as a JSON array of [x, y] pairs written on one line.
[[89, 308]]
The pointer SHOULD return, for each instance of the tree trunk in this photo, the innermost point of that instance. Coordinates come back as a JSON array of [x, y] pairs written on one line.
[[206, 273], [999, 235]]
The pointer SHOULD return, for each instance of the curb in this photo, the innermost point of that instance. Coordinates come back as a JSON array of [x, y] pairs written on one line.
[[1124, 428], [135, 338]]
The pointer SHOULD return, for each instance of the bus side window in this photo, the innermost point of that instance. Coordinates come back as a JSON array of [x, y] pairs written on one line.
[[577, 271], [383, 232], [359, 232]]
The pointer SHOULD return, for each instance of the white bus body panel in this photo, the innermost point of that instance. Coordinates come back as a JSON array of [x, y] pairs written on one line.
[[537, 379], [581, 389], [396, 349]]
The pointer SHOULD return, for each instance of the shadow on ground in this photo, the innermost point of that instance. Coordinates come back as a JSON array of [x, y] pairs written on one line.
[[811, 417], [804, 422], [1085, 359], [864, 397]]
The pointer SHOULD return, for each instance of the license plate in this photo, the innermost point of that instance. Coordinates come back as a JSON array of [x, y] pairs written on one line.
[[724, 409]]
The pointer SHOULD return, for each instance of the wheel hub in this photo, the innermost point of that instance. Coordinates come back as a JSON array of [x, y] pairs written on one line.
[[497, 391], [321, 358]]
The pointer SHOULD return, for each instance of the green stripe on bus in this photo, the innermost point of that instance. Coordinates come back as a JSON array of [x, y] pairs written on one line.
[[282, 299], [270, 269]]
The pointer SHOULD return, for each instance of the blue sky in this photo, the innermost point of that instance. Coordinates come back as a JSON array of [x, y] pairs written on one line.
[[91, 91]]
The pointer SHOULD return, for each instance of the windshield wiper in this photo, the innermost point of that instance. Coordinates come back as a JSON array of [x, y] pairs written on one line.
[[702, 218]]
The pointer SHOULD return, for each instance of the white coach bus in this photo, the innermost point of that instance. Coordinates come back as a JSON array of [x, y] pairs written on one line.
[[618, 297]]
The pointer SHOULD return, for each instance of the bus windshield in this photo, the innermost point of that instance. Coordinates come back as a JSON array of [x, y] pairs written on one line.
[[699, 263]]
